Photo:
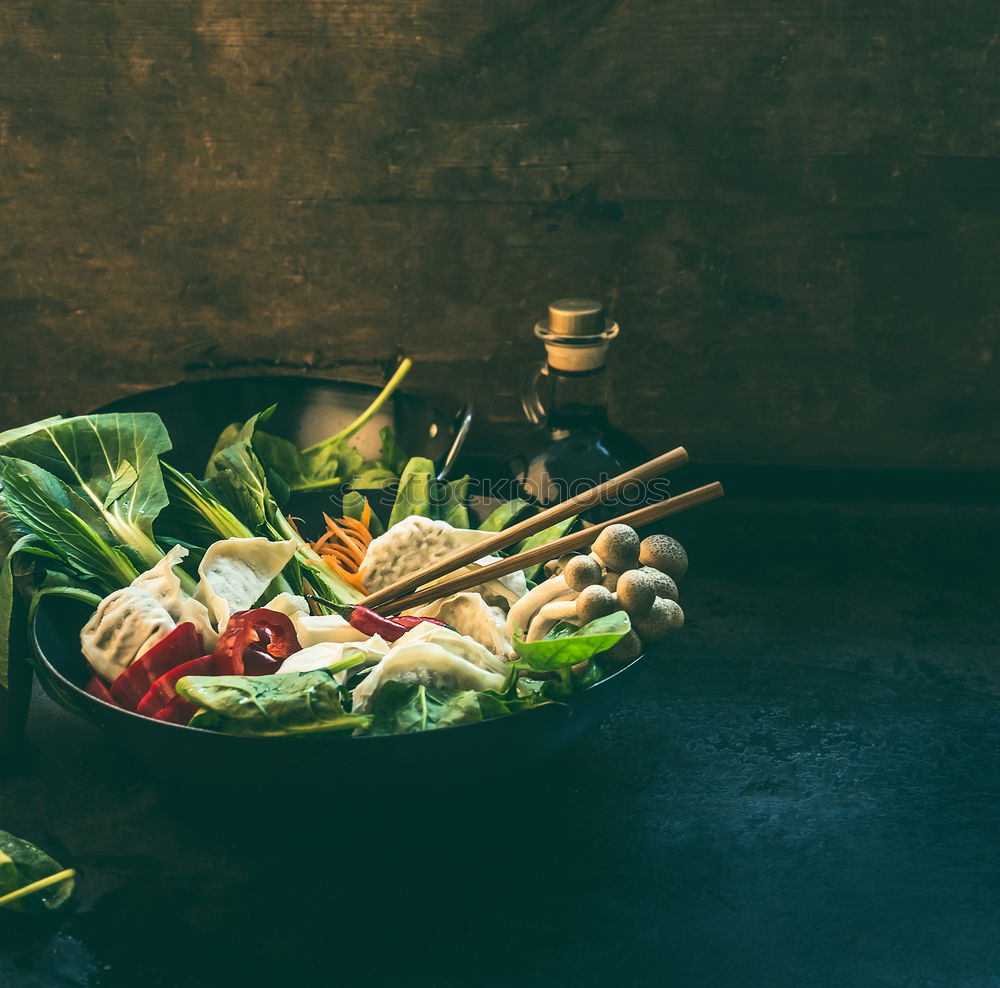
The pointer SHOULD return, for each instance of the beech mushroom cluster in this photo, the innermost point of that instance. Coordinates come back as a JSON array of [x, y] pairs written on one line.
[[621, 572]]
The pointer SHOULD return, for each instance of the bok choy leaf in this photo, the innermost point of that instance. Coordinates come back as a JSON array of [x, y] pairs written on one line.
[[110, 462]]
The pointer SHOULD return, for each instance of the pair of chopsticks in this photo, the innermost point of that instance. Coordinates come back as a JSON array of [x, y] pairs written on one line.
[[391, 599]]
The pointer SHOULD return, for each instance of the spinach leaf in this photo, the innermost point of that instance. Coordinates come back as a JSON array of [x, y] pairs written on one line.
[[391, 455], [271, 706], [403, 708], [506, 514], [21, 864], [544, 537], [564, 647]]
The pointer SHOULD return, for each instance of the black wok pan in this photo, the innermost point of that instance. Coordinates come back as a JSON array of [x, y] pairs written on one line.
[[308, 411]]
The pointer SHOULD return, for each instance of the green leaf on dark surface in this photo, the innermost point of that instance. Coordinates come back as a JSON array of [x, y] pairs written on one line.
[[505, 515], [270, 706], [565, 648], [21, 864], [404, 708]]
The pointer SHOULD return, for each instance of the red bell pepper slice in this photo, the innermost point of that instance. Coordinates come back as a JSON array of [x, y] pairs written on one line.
[[258, 641], [177, 711], [181, 645], [163, 691], [255, 643], [96, 688]]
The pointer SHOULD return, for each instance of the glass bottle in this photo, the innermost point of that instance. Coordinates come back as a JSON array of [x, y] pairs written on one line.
[[574, 446]]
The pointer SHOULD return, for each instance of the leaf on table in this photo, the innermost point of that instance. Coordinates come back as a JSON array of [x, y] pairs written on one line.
[[21, 864]]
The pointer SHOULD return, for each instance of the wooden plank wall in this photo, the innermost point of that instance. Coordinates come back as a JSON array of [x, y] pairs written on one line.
[[791, 206]]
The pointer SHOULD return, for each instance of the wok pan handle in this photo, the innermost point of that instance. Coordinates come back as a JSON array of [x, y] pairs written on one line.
[[464, 419]]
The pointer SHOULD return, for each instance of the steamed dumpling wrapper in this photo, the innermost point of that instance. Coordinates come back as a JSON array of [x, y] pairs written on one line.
[[130, 621], [235, 572], [416, 542], [471, 616], [162, 583], [315, 629], [425, 663], [459, 645], [326, 654], [126, 624]]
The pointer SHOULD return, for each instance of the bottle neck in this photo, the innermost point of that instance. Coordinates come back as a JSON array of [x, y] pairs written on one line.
[[577, 401]]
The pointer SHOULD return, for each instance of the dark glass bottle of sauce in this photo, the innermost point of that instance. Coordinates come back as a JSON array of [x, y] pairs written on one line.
[[574, 446]]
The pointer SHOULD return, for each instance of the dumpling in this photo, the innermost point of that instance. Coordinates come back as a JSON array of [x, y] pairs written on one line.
[[465, 648], [426, 663], [163, 585], [235, 572], [126, 624], [471, 616], [328, 653], [416, 542]]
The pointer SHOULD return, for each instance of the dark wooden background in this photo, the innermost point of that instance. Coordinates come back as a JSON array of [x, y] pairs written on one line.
[[791, 206]]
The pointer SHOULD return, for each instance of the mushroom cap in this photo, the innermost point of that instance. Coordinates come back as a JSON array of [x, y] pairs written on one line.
[[665, 554], [627, 648], [665, 586], [663, 617], [582, 572], [636, 592], [610, 580], [594, 602], [618, 547]]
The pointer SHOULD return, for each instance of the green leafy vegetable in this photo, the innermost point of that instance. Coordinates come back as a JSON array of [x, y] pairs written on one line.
[[421, 494], [333, 461], [506, 514], [110, 461], [402, 708], [564, 647], [353, 506], [391, 454], [70, 526], [272, 706], [544, 537], [237, 479], [22, 864]]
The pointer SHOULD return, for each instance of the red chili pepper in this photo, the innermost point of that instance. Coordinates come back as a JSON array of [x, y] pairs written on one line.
[[370, 623], [412, 620]]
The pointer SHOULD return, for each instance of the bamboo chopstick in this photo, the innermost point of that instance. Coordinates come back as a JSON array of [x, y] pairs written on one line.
[[575, 505], [541, 554]]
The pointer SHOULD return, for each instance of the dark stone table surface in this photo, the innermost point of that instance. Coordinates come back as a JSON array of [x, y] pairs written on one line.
[[803, 789]]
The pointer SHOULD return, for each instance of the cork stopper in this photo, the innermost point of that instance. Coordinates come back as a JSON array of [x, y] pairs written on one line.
[[576, 334]]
